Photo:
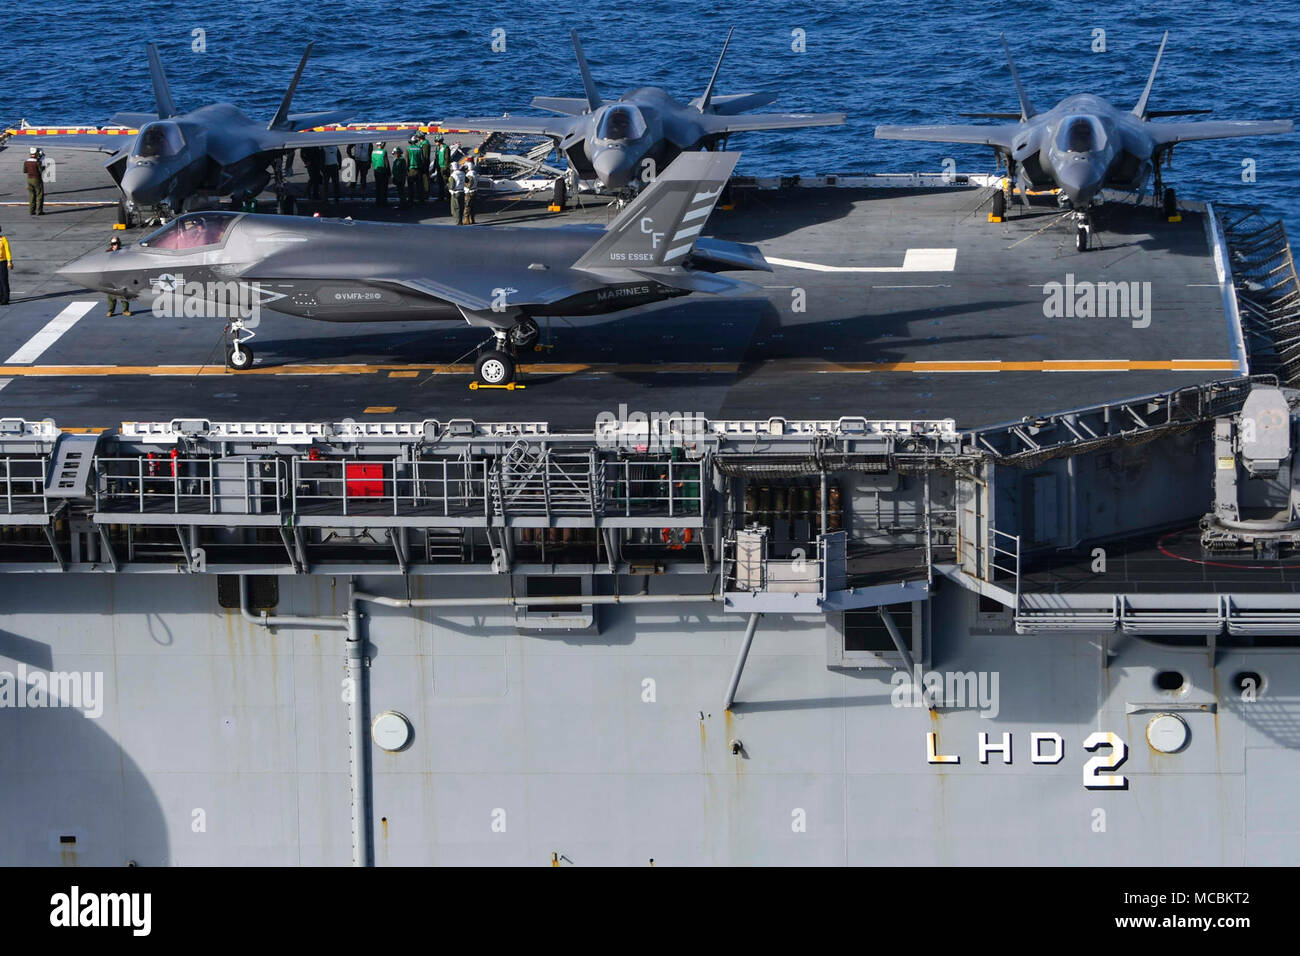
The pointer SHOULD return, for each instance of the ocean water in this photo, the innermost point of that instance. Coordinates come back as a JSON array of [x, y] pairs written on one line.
[[78, 61]]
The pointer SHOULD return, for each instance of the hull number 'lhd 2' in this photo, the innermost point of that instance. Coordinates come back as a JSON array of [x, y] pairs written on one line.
[[1048, 747]]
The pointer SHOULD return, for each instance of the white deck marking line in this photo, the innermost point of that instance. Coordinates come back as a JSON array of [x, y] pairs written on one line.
[[47, 336], [4, 382], [914, 260]]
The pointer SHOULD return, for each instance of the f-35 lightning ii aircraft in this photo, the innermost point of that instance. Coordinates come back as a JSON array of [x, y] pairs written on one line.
[[177, 159], [611, 141], [496, 277], [1084, 145]]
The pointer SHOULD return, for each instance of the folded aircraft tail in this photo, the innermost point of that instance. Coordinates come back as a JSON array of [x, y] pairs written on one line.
[[659, 227], [1140, 109], [281, 118], [161, 91]]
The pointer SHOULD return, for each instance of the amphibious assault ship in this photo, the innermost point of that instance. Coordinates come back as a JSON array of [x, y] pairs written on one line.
[[916, 555]]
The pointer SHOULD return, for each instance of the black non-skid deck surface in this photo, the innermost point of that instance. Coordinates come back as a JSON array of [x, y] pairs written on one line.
[[861, 345], [1170, 561]]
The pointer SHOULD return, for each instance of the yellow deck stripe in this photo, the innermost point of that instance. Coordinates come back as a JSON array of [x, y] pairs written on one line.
[[561, 368], [380, 409]]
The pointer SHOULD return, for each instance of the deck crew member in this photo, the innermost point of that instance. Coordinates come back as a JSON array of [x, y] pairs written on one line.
[[6, 264], [330, 170], [360, 153], [399, 177], [115, 245], [412, 160], [33, 169], [379, 163], [313, 157], [426, 154], [471, 188], [456, 187], [442, 165]]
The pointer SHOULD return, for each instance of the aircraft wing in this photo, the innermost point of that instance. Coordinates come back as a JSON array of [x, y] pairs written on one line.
[[472, 294], [305, 121], [1167, 134], [91, 142], [1000, 136], [556, 127], [716, 124], [134, 120], [730, 104], [568, 105], [277, 139]]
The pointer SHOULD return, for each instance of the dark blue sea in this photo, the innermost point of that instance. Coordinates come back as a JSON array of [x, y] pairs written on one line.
[[902, 62]]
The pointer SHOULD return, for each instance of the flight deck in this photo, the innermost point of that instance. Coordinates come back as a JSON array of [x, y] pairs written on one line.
[[890, 303]]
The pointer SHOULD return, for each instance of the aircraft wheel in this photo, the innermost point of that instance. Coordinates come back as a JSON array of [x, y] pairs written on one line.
[[1081, 239], [123, 214], [561, 193], [525, 333], [1171, 203], [494, 368], [999, 204], [239, 359], [285, 205]]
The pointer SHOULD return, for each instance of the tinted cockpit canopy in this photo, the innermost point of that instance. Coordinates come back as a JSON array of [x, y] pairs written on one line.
[[191, 231], [158, 141], [621, 123], [1081, 134]]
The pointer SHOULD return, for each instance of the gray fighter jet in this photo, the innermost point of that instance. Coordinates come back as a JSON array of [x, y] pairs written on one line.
[[495, 277], [1084, 145], [178, 161], [622, 143]]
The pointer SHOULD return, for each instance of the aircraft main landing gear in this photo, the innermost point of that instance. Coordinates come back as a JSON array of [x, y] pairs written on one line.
[[525, 333], [494, 367], [499, 365]]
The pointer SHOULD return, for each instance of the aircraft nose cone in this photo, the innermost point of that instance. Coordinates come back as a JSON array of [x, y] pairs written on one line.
[[612, 168], [1079, 181], [142, 185], [92, 271]]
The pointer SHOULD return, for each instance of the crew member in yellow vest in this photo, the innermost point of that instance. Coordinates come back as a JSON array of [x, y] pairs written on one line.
[[6, 264]]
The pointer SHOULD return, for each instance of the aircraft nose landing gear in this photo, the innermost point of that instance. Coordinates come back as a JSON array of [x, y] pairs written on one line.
[[1082, 231], [239, 354]]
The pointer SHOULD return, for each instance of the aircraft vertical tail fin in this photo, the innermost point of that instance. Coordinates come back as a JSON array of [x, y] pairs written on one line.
[[588, 82], [281, 118], [659, 227], [704, 100], [161, 91], [1141, 109], [1026, 108]]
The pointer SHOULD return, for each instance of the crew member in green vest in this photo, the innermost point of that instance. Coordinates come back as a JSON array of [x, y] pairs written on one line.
[[399, 177], [441, 165], [414, 163], [379, 164], [426, 154]]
